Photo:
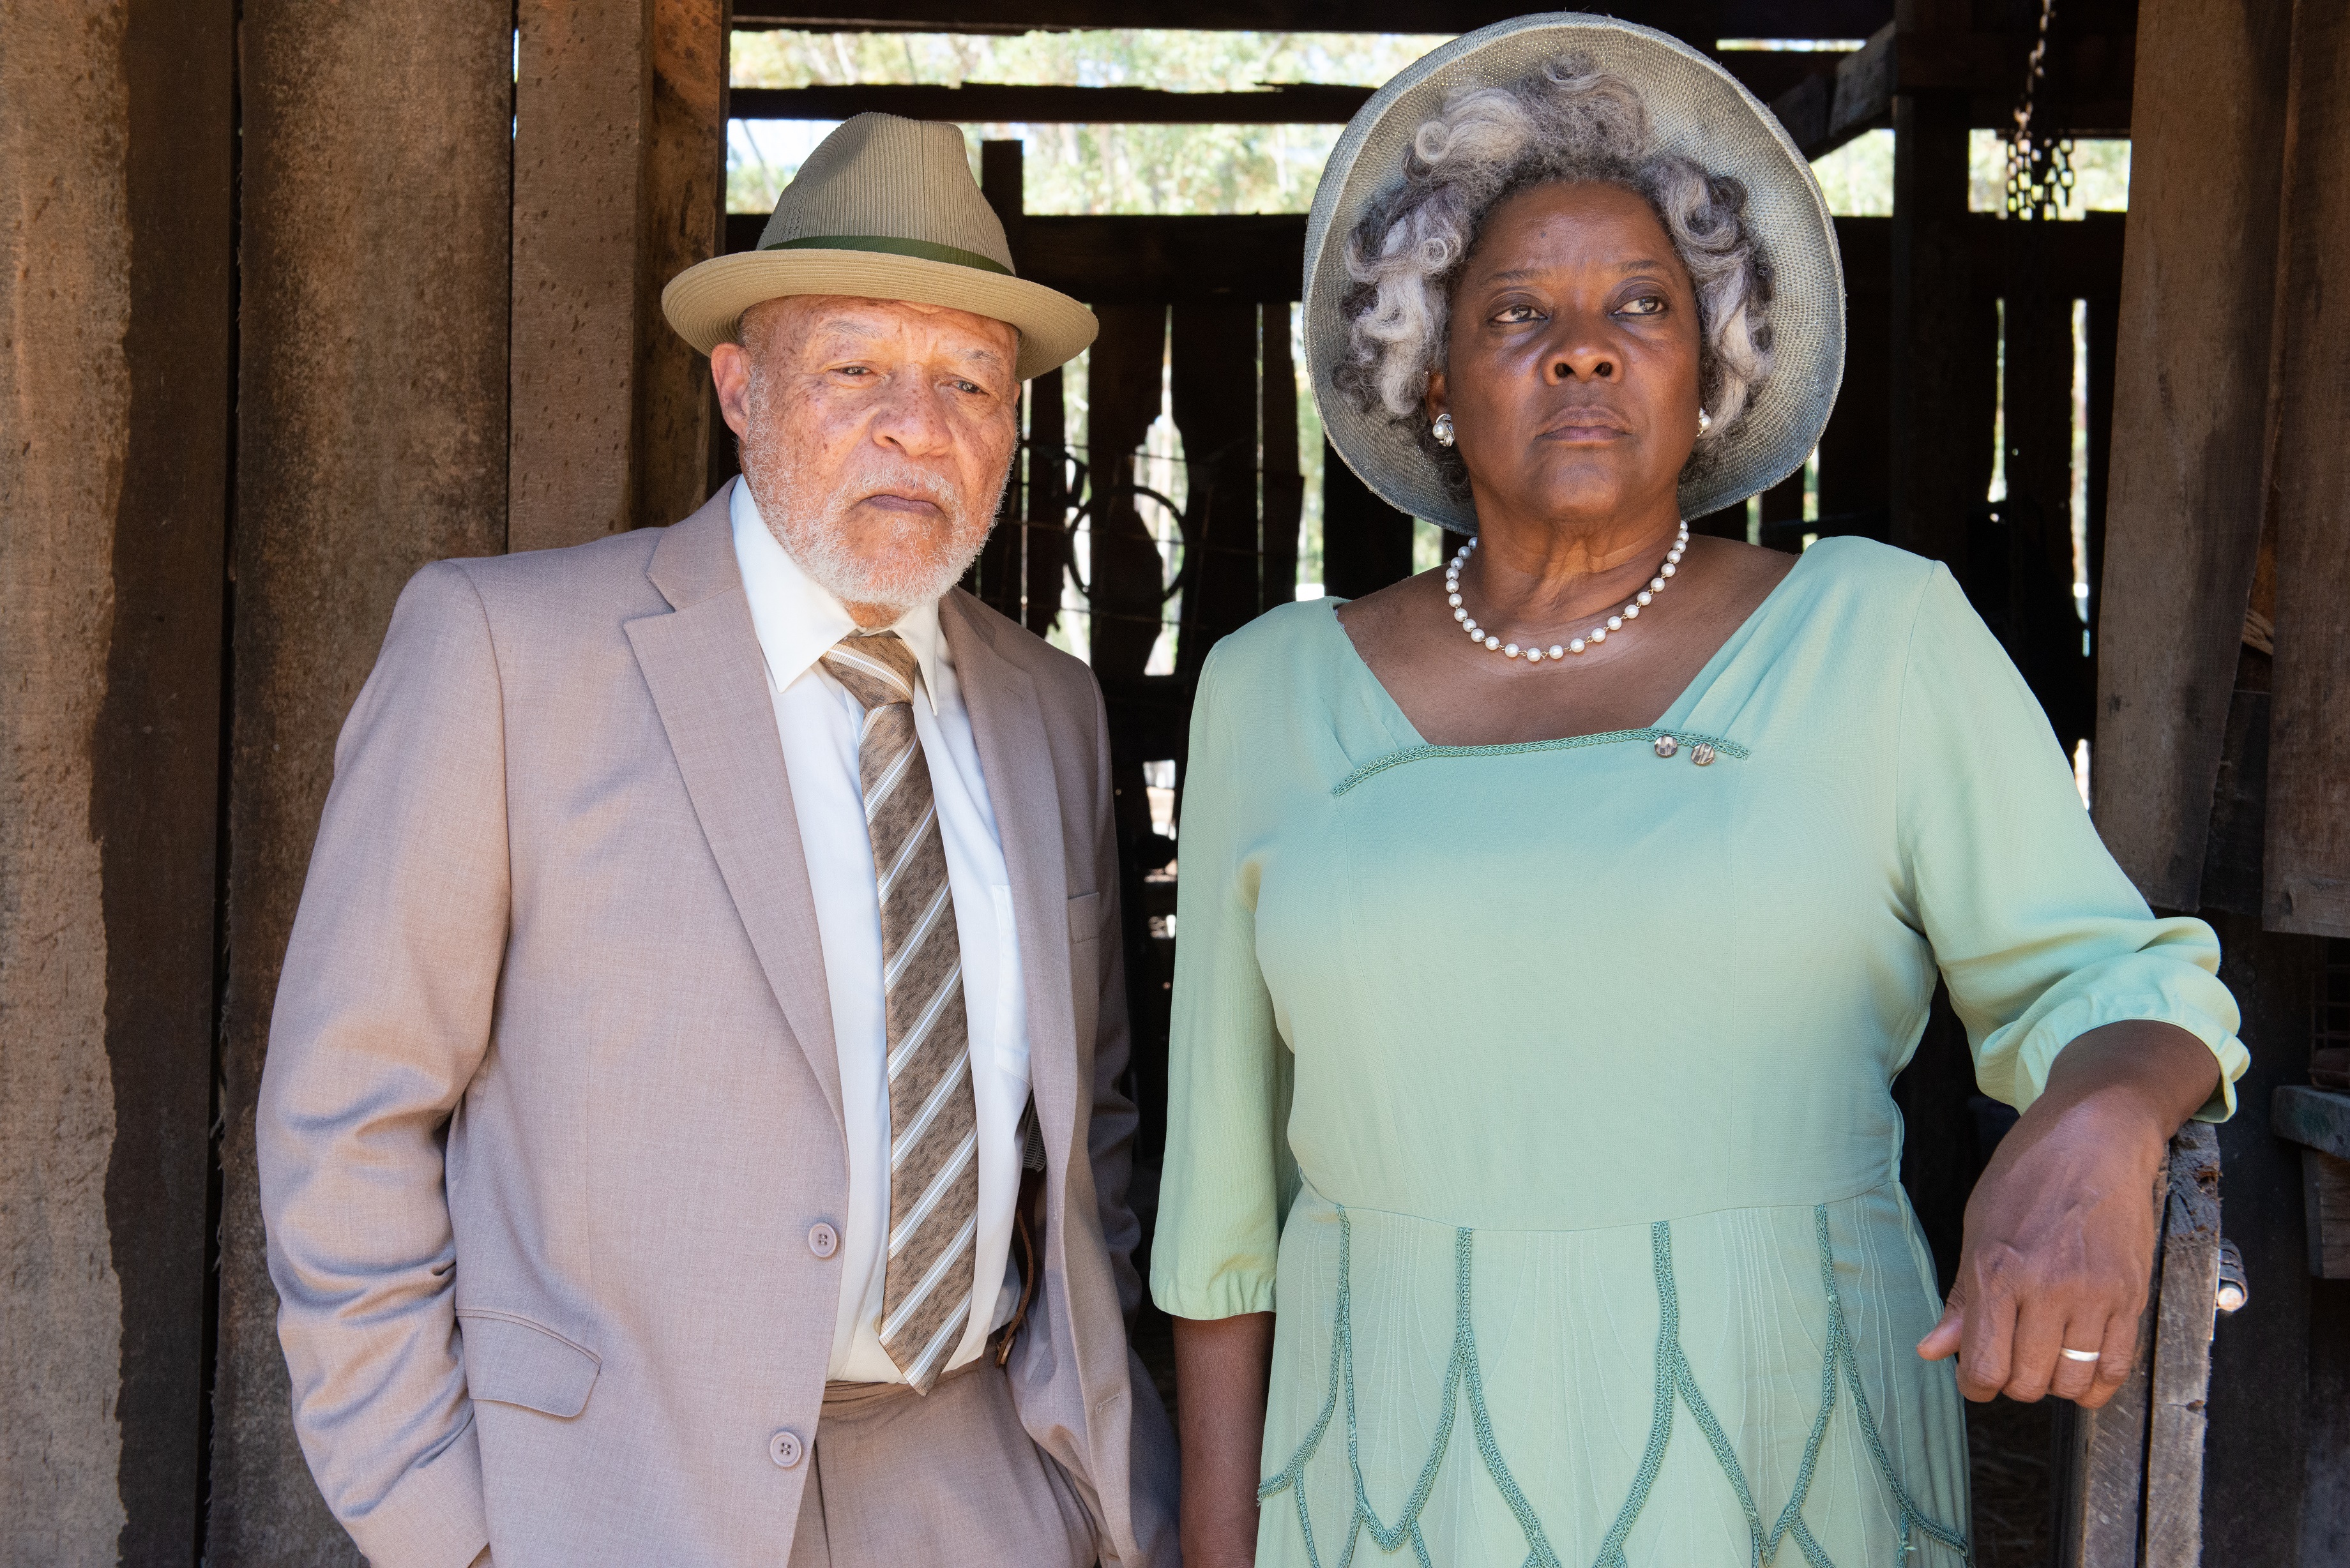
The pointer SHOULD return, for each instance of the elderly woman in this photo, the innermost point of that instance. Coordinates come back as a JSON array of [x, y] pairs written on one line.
[[1553, 924]]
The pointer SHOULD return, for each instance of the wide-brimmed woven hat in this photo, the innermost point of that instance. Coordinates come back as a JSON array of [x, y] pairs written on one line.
[[884, 208], [1694, 108]]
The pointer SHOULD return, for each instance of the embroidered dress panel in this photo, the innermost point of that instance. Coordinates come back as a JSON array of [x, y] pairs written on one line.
[[1544, 1092], [933, 1119]]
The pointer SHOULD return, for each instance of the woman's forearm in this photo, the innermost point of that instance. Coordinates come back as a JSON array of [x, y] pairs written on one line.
[[2060, 1231], [1221, 1366], [2137, 1067]]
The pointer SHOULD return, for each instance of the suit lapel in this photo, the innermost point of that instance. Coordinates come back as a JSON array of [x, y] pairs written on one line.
[[1017, 760], [702, 665]]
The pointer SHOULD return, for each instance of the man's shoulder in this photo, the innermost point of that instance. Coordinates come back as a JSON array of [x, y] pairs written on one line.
[[613, 570], [1060, 677]]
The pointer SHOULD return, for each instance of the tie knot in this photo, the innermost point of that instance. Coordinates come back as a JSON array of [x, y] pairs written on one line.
[[878, 671]]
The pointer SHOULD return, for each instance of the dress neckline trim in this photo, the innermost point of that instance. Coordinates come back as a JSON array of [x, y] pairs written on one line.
[[1721, 747], [1699, 685]]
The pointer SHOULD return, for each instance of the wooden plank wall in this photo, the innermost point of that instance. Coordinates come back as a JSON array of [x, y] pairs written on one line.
[[2192, 368], [116, 243], [618, 171], [371, 438], [2214, 800], [2308, 849]]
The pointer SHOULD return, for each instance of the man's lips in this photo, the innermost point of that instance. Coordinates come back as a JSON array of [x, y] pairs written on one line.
[[888, 502]]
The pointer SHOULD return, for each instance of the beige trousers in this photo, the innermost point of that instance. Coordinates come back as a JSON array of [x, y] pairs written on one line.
[[949, 1477], [899, 1478]]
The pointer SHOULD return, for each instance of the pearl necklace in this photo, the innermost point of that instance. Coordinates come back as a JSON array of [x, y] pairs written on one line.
[[1592, 638]]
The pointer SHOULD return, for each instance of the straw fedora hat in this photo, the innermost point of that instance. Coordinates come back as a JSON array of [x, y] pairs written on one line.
[[884, 208], [1695, 107]]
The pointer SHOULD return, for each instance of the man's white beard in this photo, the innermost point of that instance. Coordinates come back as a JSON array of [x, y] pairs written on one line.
[[922, 558]]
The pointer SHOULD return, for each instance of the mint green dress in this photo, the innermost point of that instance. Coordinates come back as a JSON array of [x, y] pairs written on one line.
[[1543, 1089]]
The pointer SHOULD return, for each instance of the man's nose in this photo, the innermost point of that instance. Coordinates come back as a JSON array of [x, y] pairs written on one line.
[[911, 417]]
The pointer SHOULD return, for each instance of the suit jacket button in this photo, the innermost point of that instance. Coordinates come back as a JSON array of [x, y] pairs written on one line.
[[823, 1240], [786, 1449]]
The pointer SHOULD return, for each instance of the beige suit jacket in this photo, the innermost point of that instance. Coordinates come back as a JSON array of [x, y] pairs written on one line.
[[552, 1101]]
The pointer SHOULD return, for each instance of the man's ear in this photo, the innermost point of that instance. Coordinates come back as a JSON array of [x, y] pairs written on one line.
[[730, 372]]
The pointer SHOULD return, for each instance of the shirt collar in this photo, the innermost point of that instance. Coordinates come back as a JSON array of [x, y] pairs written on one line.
[[798, 619]]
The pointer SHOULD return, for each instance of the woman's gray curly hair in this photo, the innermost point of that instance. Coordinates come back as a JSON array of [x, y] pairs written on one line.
[[1568, 120]]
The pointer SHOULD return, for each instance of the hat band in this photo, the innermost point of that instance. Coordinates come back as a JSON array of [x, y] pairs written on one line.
[[889, 245]]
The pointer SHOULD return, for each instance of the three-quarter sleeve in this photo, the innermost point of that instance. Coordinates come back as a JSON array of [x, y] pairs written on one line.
[[2039, 935], [1228, 1169]]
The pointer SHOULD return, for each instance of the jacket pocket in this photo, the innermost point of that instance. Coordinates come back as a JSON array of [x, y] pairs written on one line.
[[1085, 919], [512, 1361]]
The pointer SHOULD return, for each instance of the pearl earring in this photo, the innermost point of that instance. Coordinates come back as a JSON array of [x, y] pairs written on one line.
[[1442, 430], [1704, 422]]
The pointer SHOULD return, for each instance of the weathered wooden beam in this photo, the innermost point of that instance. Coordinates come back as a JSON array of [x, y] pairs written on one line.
[[2100, 1482], [1125, 582], [618, 159], [1283, 485], [998, 578], [1212, 395], [1730, 20], [116, 241], [1044, 544], [2130, 1485], [155, 750], [2313, 1117], [370, 439], [2325, 1208], [988, 103], [2191, 376], [2307, 867], [2185, 1304], [1854, 93], [1942, 336], [680, 211], [1365, 543]]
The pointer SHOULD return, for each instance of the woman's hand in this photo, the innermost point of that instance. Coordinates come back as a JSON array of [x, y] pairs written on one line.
[[2060, 1231], [1221, 1369]]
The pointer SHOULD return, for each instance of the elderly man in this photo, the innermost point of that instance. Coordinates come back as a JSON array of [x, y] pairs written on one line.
[[691, 1132]]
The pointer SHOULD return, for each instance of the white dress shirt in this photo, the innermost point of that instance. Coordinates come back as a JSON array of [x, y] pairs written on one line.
[[799, 621]]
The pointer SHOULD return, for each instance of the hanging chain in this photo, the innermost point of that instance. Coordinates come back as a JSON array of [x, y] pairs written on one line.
[[2039, 166]]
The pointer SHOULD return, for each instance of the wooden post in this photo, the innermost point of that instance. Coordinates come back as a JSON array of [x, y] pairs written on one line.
[[115, 247], [680, 216], [618, 158], [1125, 371], [2307, 870], [2130, 1476], [1044, 548], [1283, 485], [370, 439], [2038, 620], [998, 577], [1212, 395], [2191, 376], [155, 750], [1365, 543], [1856, 479], [2101, 1454], [2181, 1371], [1941, 349]]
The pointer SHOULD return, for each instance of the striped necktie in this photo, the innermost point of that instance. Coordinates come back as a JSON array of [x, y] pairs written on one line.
[[926, 1292]]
